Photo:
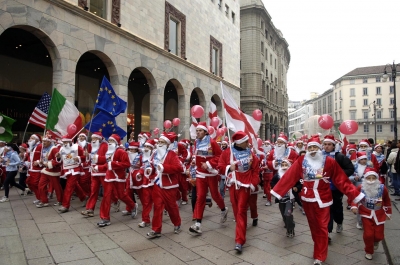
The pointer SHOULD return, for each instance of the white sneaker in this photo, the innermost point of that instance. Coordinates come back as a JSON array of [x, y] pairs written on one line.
[[196, 229], [368, 256], [4, 199], [184, 202], [126, 213], [178, 202], [224, 215], [268, 203], [339, 228], [36, 201], [317, 262], [143, 224], [359, 226], [376, 245]]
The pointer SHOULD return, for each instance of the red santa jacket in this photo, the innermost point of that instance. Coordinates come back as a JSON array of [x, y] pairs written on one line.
[[34, 156], [292, 156], [371, 163], [211, 159], [170, 168], [69, 167], [50, 164], [98, 157], [136, 164], [317, 189], [116, 166], [86, 163], [377, 208], [148, 179], [249, 178]]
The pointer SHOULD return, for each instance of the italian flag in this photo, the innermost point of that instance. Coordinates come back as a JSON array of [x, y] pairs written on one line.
[[61, 114]]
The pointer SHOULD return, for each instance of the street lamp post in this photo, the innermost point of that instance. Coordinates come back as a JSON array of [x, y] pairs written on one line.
[[374, 108], [393, 67]]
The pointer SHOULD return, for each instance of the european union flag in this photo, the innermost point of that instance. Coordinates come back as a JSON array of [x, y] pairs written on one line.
[[106, 124], [108, 101]]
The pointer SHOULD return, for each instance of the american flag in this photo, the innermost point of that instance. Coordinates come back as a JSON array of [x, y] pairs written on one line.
[[39, 115]]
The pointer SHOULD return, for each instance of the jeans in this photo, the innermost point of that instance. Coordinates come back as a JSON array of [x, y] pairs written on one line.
[[396, 183], [222, 187], [22, 179], [286, 209], [10, 181]]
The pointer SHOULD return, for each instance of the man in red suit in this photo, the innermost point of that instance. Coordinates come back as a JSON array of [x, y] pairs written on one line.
[[33, 165], [117, 162], [84, 179], [205, 157], [165, 169], [316, 172], [71, 156], [241, 167], [50, 173], [274, 159], [374, 209], [133, 183]]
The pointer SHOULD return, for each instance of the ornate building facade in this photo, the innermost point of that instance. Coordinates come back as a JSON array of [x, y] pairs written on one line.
[[162, 57], [264, 65]]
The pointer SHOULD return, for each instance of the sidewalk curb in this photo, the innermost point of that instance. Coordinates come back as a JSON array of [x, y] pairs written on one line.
[[392, 234]]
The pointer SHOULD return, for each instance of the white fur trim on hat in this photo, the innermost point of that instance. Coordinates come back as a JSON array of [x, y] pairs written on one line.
[[362, 157], [112, 138], [329, 140], [314, 143], [148, 144], [363, 143], [35, 136], [371, 172], [244, 139], [97, 136], [82, 134], [201, 127], [166, 139], [66, 140], [282, 139]]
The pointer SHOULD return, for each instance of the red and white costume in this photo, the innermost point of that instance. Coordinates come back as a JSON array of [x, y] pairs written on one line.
[[134, 182], [242, 181], [184, 156], [316, 176], [3, 172], [84, 179], [34, 169]]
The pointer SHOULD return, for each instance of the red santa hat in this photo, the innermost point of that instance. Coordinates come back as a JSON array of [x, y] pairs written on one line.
[[282, 137], [224, 142], [267, 142], [146, 135], [133, 145], [151, 143], [290, 144], [351, 147], [202, 125], [37, 137], [329, 139], [299, 142], [116, 138], [168, 137], [155, 140], [98, 135], [186, 142], [338, 141], [66, 138], [23, 146], [314, 140], [361, 155], [240, 137], [364, 142], [378, 145], [83, 134], [287, 161], [370, 171]]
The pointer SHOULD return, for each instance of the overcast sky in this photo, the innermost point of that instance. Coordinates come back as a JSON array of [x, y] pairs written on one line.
[[328, 39]]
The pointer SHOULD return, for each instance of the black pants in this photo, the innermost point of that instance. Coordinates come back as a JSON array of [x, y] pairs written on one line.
[[336, 209], [22, 179], [297, 198], [194, 197], [286, 209], [10, 181], [63, 183]]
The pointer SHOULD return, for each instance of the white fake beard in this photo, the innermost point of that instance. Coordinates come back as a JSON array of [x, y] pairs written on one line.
[[267, 149], [142, 141], [279, 151], [360, 170], [316, 161], [82, 143], [67, 147], [95, 145], [161, 150], [1, 150], [31, 143], [299, 149], [111, 148], [132, 156], [282, 171], [146, 154], [371, 190]]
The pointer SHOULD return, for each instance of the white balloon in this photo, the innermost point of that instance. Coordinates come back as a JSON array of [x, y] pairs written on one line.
[[2, 129], [1, 118]]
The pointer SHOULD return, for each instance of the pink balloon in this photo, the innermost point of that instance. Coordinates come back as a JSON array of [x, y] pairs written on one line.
[[273, 136], [257, 115], [167, 124], [220, 132], [214, 122], [176, 121], [71, 129], [211, 130], [256, 136], [226, 138], [325, 121], [197, 111], [156, 131], [348, 127], [259, 142], [225, 129]]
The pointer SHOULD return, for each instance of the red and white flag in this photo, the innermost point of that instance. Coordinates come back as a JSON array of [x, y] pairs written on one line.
[[236, 120], [193, 128]]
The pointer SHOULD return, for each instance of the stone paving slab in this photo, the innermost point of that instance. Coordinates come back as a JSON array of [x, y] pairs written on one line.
[[29, 235]]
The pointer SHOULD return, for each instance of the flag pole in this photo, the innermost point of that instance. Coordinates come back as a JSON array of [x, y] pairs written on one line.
[[26, 128]]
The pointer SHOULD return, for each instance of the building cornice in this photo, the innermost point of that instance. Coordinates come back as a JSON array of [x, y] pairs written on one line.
[[129, 35]]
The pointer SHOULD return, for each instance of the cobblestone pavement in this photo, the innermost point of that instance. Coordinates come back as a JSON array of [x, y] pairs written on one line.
[[43, 236]]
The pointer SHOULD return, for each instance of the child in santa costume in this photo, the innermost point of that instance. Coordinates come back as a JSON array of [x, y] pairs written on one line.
[[380, 157], [241, 166], [117, 162], [365, 146], [374, 209], [316, 172], [133, 183], [165, 169]]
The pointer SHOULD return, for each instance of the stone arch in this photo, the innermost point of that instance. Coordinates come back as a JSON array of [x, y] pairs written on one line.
[[174, 101], [218, 102]]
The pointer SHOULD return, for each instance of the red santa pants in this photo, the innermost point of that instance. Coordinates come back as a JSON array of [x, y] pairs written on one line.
[[119, 188], [94, 192], [202, 185], [253, 206], [183, 187], [54, 182], [240, 200], [164, 198], [318, 219], [267, 177], [70, 187], [84, 181], [3, 174], [147, 203], [33, 183], [372, 233]]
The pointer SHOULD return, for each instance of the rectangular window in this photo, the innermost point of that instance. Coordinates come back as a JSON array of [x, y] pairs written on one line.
[[335, 96], [262, 67], [220, 4], [262, 25], [391, 127], [340, 104], [270, 59], [340, 94], [391, 90], [352, 81], [365, 101], [365, 114], [335, 106], [214, 66], [266, 54], [336, 116], [275, 63], [352, 92], [378, 101], [352, 115], [391, 101], [262, 47], [391, 114], [378, 90], [227, 10], [173, 36], [366, 128], [365, 91], [352, 103], [98, 7], [340, 115], [378, 79], [233, 18], [266, 34], [379, 114], [379, 128], [365, 80]]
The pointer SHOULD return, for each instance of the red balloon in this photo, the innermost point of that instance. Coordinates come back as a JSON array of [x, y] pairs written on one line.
[[156, 131], [273, 136], [197, 111], [211, 130], [348, 127], [214, 122], [167, 124], [259, 142], [257, 115], [325, 121], [256, 135], [225, 129], [226, 138], [220, 132], [71, 129], [176, 121]]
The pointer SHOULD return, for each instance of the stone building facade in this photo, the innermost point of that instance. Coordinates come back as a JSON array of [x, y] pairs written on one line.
[[160, 56], [264, 65]]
